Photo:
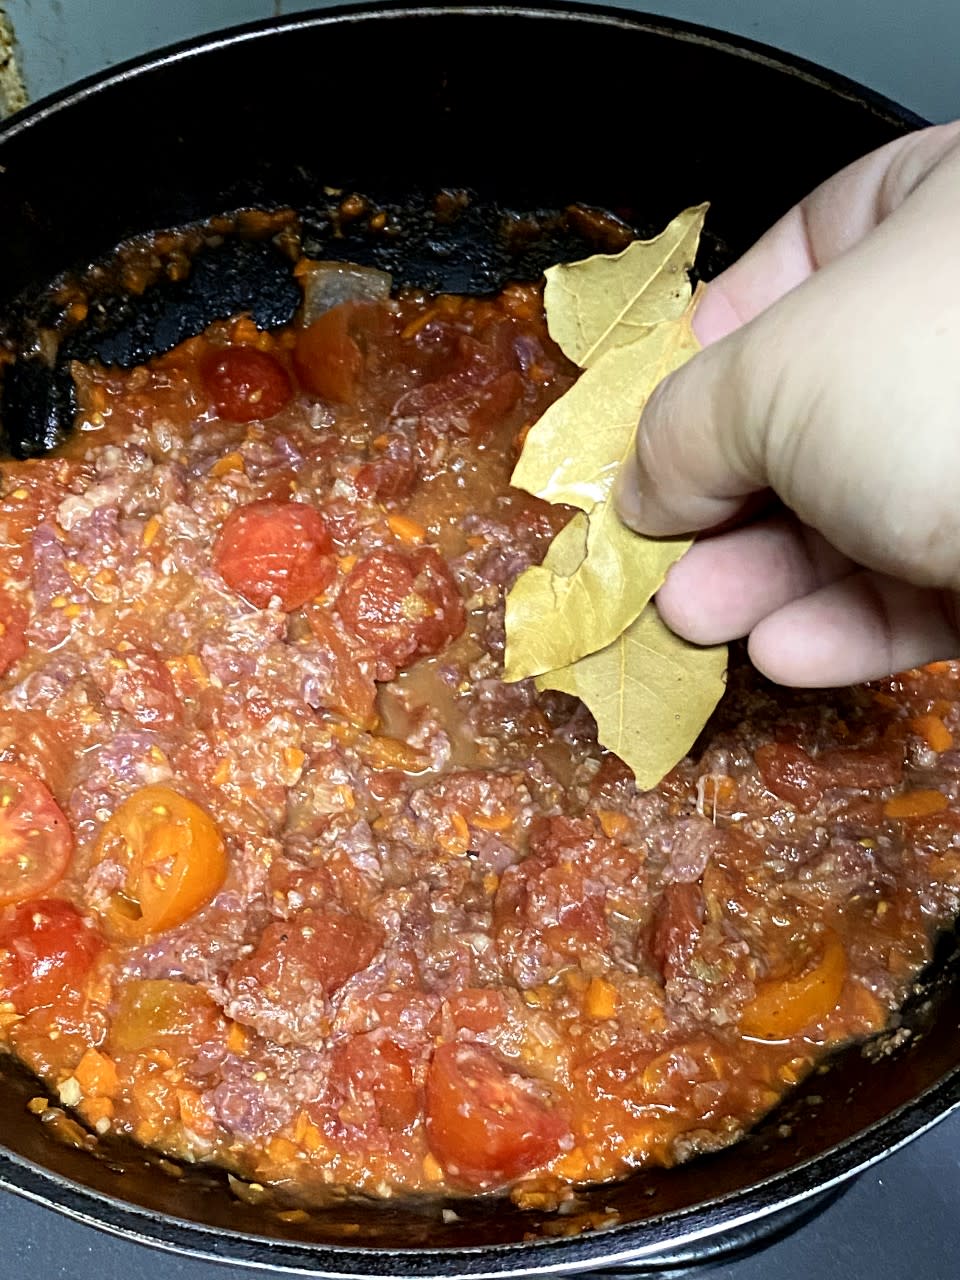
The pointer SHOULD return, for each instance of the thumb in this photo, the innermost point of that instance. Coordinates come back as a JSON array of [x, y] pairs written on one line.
[[821, 301], [699, 450]]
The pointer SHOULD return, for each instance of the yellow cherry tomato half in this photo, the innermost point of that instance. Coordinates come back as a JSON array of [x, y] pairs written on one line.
[[174, 858], [786, 1007]]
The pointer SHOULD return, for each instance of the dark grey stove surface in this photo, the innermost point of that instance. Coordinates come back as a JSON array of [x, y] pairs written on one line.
[[897, 1221]]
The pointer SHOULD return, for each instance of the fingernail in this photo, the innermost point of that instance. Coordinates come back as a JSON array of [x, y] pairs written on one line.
[[626, 494]]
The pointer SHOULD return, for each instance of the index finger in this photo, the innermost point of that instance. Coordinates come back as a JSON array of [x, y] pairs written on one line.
[[824, 225]]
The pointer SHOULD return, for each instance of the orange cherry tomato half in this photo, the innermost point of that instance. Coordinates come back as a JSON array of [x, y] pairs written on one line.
[[35, 837], [174, 858], [483, 1126], [785, 1007], [281, 549]]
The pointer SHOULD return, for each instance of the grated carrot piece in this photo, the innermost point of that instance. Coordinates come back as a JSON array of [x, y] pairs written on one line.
[[432, 1169], [193, 1114], [576, 980], [601, 999], [388, 753], [244, 330], [237, 1039], [934, 732], [345, 795], [96, 1074], [573, 1165], [491, 883], [915, 804], [612, 824], [419, 322], [222, 773], [97, 1113], [407, 530], [346, 563], [381, 441], [455, 838], [292, 1215], [150, 531], [308, 1135], [195, 667], [492, 822], [281, 1150], [229, 462]]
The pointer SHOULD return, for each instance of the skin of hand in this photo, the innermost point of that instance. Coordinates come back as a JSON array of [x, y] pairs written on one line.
[[830, 375]]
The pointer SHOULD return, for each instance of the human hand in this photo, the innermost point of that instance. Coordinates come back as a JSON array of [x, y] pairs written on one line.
[[830, 375]]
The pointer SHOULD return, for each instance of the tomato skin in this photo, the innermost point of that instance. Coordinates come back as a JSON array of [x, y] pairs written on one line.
[[13, 621], [244, 384], [405, 605], [377, 1072], [861, 767], [797, 777], [354, 690], [312, 949], [174, 858], [477, 1009], [474, 392], [677, 924], [44, 946], [327, 359], [36, 843], [283, 549], [791, 774], [483, 1126]]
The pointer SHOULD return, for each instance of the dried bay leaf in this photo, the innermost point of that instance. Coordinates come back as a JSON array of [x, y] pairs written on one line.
[[583, 622], [620, 570], [610, 299], [560, 617], [649, 691]]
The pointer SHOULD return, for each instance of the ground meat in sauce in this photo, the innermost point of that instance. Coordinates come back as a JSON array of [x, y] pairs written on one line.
[[294, 884]]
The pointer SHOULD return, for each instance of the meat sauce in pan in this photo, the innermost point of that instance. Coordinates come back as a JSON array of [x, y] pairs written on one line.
[[292, 883]]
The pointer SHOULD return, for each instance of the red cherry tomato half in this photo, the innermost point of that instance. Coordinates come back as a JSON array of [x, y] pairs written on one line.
[[282, 549], [45, 946], [35, 837], [482, 1124], [244, 383], [405, 605]]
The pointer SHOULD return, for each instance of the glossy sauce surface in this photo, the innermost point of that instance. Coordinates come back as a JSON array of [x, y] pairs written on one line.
[[290, 881]]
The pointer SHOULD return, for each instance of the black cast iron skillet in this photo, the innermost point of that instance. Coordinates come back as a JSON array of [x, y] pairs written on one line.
[[530, 110]]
